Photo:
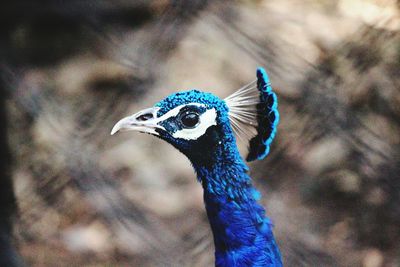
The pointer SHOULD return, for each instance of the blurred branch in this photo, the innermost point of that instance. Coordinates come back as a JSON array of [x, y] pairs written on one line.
[[8, 207]]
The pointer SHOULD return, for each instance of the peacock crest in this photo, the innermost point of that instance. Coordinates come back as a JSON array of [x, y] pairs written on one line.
[[254, 116]]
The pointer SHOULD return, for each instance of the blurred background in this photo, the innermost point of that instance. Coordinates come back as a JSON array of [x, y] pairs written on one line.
[[71, 195]]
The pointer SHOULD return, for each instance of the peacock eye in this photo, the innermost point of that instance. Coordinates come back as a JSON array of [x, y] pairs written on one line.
[[189, 119]]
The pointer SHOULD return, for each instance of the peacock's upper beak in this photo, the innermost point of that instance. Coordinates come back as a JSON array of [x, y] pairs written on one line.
[[145, 121]]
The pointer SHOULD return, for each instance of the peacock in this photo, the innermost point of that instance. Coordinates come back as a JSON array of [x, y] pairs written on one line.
[[204, 128]]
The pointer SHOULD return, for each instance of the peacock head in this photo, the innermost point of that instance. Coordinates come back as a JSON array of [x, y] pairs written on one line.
[[194, 122], [200, 124]]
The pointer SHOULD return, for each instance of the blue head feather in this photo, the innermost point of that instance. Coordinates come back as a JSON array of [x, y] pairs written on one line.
[[199, 151]]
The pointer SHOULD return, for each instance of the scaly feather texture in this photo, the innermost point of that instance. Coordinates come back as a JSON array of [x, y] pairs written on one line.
[[199, 125]]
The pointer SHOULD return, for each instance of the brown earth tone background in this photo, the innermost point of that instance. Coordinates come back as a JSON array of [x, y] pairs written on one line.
[[71, 69]]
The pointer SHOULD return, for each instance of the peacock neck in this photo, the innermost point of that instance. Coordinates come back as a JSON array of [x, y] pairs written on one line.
[[242, 234]]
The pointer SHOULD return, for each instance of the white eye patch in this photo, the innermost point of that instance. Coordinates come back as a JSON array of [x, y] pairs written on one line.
[[206, 119], [175, 111]]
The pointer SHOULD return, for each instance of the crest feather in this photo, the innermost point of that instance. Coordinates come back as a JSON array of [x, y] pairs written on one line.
[[254, 116]]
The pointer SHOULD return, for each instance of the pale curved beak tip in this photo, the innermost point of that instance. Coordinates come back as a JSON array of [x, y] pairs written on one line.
[[134, 123], [115, 129]]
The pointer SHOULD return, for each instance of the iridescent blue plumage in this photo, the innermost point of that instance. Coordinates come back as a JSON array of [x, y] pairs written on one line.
[[198, 124], [267, 118]]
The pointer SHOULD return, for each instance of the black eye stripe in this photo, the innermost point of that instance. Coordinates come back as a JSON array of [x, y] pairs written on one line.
[[190, 108]]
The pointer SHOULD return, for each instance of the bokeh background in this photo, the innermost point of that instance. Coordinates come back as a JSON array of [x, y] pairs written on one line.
[[71, 195]]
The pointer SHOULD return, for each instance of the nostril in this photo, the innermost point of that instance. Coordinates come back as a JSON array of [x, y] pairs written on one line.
[[145, 117]]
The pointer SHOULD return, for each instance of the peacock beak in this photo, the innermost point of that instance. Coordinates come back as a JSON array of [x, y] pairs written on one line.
[[145, 121]]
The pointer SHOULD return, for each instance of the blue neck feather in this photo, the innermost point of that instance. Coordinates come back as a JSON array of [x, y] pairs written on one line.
[[242, 234]]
